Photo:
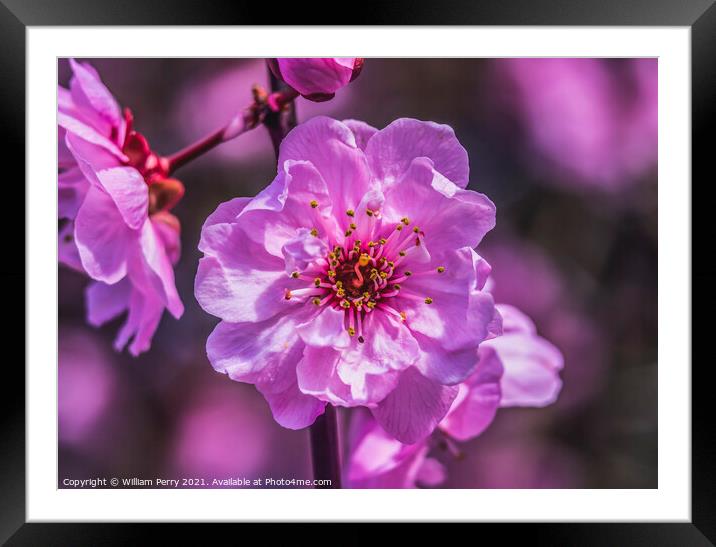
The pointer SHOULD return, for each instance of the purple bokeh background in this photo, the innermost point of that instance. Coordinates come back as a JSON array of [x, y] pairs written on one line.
[[566, 148]]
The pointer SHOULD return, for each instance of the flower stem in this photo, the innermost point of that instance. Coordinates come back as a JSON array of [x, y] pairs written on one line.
[[239, 124], [325, 448], [280, 122], [193, 151]]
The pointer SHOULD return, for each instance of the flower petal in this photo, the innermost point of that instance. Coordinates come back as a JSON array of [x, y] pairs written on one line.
[[130, 193], [81, 130], [145, 312], [331, 147], [297, 198], [105, 302], [363, 373], [313, 75], [326, 329], [303, 250], [478, 399], [459, 317], [103, 238], [225, 213], [253, 352], [238, 280], [72, 188], [531, 363], [88, 90], [393, 148], [361, 131], [415, 407], [293, 409], [151, 270], [377, 460], [449, 216]]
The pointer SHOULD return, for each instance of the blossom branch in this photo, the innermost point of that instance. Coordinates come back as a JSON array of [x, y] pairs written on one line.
[[247, 119]]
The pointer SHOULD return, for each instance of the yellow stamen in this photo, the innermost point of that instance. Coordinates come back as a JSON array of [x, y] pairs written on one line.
[[370, 304], [287, 295], [317, 282], [369, 212], [314, 232], [331, 273], [399, 227], [295, 275], [348, 232], [351, 331], [364, 259], [316, 301], [345, 304], [396, 287], [341, 293], [402, 253], [382, 241], [314, 204], [441, 269], [407, 273], [416, 229], [350, 212], [402, 314], [428, 300], [405, 220], [353, 225]]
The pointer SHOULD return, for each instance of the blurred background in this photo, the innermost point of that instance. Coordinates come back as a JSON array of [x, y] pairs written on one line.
[[567, 150]]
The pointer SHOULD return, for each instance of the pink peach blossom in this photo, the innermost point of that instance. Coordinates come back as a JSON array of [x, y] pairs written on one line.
[[115, 192], [518, 368], [352, 279], [579, 117]]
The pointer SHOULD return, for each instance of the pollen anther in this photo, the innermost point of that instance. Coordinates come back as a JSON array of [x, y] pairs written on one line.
[[314, 204]]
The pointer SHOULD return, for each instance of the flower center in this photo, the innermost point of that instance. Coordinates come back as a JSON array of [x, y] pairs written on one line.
[[361, 277]]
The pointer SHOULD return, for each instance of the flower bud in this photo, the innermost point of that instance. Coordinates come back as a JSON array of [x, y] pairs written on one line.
[[316, 79]]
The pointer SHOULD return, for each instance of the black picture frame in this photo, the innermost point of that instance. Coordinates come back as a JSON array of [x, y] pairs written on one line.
[[16, 15]]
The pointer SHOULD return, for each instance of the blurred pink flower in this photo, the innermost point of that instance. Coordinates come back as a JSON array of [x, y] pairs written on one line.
[[116, 193], [595, 122], [352, 279], [222, 434], [518, 368], [317, 79], [530, 281], [85, 385]]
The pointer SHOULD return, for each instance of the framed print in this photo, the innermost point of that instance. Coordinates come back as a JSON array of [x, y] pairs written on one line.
[[448, 280]]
